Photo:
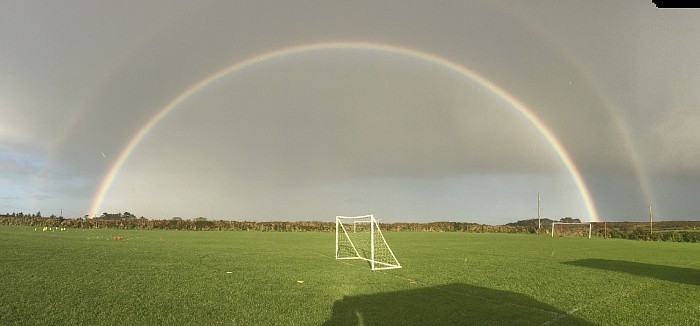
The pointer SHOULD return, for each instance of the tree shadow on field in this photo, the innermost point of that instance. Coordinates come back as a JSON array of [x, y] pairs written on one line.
[[668, 273], [450, 304]]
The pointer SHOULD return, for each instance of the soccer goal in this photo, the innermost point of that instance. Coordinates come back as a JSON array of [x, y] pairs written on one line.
[[572, 228], [359, 237]]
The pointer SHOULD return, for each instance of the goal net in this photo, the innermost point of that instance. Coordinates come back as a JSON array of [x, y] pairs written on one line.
[[359, 237], [572, 229]]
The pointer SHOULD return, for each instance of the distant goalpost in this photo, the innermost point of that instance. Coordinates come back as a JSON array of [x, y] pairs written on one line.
[[359, 237], [590, 226]]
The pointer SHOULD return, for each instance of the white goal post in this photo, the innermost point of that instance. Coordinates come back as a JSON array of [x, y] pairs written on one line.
[[359, 237], [590, 226]]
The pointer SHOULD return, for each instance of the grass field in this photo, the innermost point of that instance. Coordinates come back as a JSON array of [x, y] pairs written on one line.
[[154, 277]]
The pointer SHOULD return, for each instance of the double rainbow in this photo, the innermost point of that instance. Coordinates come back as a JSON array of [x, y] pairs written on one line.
[[516, 104]]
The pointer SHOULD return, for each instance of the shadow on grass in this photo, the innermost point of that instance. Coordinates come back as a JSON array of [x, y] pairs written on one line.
[[668, 273], [451, 304]]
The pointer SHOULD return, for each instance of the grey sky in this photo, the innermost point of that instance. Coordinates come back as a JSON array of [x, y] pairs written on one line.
[[340, 132]]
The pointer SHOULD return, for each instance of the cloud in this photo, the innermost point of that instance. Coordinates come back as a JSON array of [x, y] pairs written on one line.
[[17, 169], [679, 141], [311, 121], [348, 114]]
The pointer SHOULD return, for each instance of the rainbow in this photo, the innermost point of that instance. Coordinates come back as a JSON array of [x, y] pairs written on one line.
[[607, 103], [390, 49]]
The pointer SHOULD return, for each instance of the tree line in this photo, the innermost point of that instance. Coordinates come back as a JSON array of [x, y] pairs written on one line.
[[680, 231], [127, 220], [677, 231]]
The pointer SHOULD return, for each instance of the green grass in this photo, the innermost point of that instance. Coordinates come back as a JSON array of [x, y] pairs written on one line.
[[250, 278]]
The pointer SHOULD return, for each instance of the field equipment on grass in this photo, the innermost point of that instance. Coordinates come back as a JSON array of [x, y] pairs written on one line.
[[359, 237]]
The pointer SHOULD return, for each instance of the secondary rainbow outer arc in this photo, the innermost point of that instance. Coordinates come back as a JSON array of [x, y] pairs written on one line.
[[495, 89], [543, 33]]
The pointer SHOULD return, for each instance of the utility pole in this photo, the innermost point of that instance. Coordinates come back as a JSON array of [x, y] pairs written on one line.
[[539, 225]]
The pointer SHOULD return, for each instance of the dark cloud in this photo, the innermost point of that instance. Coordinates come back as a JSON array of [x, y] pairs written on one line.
[[614, 82], [327, 117]]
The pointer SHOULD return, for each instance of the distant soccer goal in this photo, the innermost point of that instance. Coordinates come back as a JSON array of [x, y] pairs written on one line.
[[572, 228], [359, 237]]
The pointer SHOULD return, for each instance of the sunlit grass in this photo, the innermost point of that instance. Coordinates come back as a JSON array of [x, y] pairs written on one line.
[[152, 277]]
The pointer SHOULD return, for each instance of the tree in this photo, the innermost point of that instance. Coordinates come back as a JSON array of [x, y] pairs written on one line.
[[570, 220]]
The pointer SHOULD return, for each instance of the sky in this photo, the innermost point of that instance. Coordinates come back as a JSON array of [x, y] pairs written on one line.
[[409, 110]]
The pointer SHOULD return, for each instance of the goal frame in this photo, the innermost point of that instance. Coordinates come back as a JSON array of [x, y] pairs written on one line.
[[590, 226], [375, 234]]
